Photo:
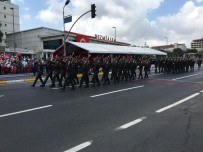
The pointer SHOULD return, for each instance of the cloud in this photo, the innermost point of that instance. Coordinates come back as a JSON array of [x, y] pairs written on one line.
[[131, 20], [185, 25], [53, 14]]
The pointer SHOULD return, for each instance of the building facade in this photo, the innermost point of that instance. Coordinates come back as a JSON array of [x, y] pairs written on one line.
[[9, 20], [197, 44], [42, 42], [170, 48]]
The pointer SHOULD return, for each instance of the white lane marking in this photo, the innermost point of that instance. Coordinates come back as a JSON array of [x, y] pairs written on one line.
[[156, 74], [14, 81], [14, 113], [187, 76], [1, 96], [131, 123], [116, 91], [177, 103], [55, 88], [80, 147], [201, 91]]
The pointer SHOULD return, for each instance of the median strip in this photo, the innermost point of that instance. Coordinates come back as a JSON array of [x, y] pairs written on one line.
[[15, 113], [177, 103], [80, 147], [116, 91]]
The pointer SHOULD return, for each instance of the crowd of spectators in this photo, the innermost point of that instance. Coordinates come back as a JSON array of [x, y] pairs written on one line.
[[16, 65]]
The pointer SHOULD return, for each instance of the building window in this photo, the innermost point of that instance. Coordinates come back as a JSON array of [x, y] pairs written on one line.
[[4, 16], [4, 7], [5, 24], [52, 44]]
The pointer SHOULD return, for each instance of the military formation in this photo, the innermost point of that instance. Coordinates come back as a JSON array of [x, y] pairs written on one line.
[[65, 70], [174, 65]]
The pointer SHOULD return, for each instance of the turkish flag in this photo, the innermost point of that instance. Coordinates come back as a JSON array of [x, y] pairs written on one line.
[[82, 38]]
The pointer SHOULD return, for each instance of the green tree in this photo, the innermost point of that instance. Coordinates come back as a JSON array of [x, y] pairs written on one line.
[[178, 52], [191, 51]]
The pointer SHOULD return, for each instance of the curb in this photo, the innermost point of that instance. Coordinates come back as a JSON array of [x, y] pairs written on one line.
[[2, 82], [17, 81]]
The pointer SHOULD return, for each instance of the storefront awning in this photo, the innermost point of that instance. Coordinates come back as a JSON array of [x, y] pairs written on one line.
[[115, 49]]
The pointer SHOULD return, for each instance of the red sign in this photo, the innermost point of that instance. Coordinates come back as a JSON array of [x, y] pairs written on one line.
[[82, 38]]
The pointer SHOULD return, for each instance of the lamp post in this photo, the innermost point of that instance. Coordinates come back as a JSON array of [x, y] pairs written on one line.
[[115, 33], [64, 38], [166, 40], [14, 41]]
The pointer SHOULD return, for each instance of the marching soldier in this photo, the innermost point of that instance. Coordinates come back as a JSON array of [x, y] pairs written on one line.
[[49, 71], [69, 74], [85, 70], [140, 69], [57, 70], [106, 69], [39, 67], [96, 67]]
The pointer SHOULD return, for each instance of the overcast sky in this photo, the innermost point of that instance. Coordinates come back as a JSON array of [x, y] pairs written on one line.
[[136, 21]]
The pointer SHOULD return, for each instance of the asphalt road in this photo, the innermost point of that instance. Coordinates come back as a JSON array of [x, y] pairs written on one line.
[[161, 114]]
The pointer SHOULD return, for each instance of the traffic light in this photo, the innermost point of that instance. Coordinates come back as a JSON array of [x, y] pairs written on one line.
[[93, 10]]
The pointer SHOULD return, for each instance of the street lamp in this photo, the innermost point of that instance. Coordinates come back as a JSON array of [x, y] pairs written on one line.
[[166, 40], [64, 39], [14, 41], [115, 33]]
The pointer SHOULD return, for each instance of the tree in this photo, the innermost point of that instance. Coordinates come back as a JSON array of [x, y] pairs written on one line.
[[178, 52], [1, 35], [191, 51]]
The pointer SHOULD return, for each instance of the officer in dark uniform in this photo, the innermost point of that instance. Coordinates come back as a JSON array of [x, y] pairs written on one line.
[[96, 66], [115, 70], [69, 73], [75, 63], [85, 70], [39, 67], [140, 64], [49, 71], [146, 68], [57, 70], [63, 69], [106, 69]]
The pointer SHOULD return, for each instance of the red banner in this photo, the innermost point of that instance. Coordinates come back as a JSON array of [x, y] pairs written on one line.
[[82, 38]]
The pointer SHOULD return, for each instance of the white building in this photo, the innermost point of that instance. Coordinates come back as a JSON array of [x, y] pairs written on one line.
[[170, 48], [43, 41], [8, 13], [197, 44]]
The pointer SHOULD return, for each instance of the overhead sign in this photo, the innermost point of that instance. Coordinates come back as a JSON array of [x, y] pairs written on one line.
[[68, 19]]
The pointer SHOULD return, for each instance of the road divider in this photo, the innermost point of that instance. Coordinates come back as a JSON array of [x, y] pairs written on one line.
[[28, 110], [130, 124], [80, 147], [187, 76], [116, 91], [177, 103]]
